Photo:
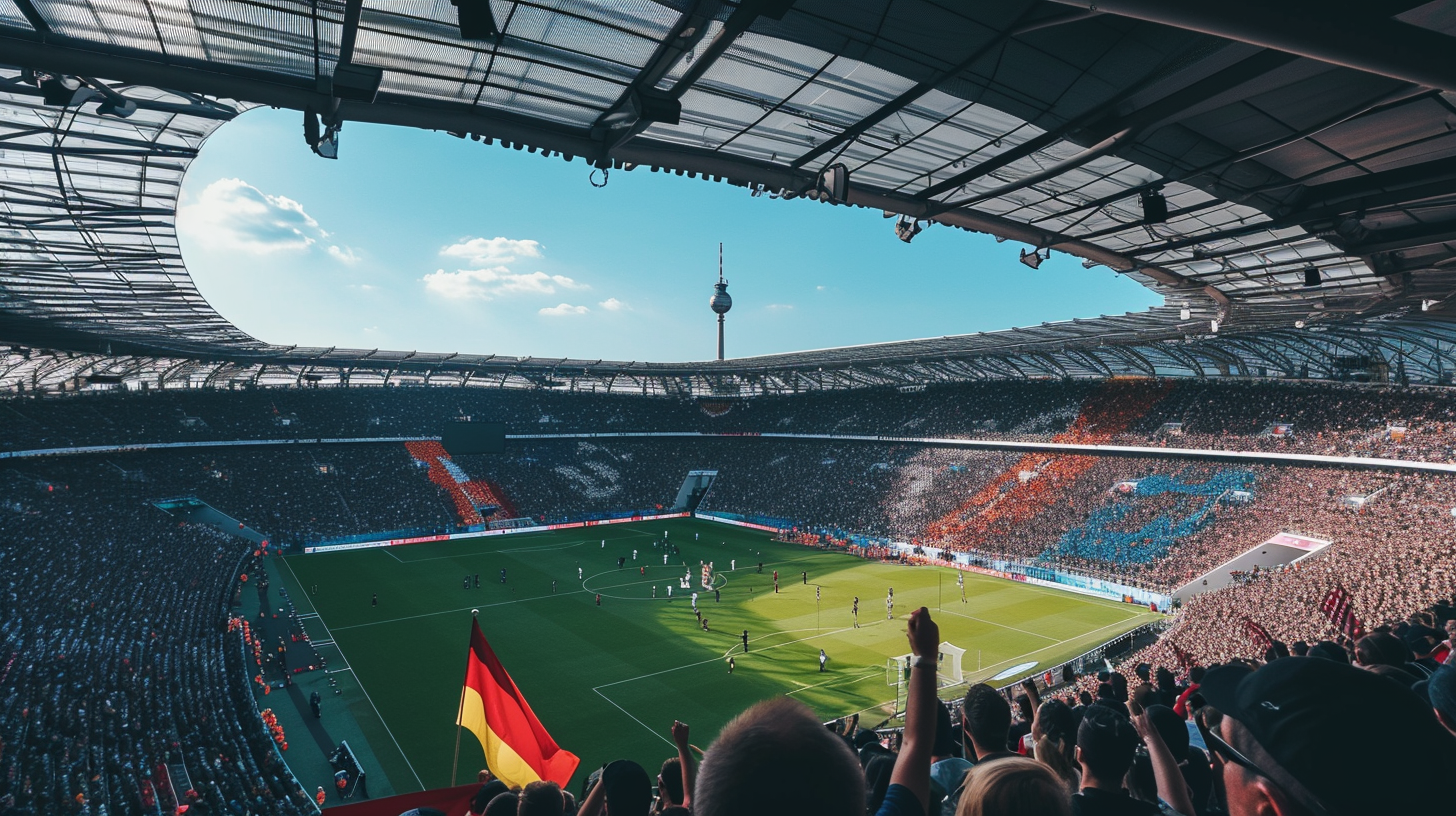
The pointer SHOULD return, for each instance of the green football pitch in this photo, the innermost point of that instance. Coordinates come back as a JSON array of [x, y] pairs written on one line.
[[608, 680]]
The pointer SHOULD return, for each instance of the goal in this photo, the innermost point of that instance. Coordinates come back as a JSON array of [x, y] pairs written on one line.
[[948, 666]]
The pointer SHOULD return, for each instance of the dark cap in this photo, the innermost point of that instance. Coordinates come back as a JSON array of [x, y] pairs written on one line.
[[629, 790], [1342, 733]]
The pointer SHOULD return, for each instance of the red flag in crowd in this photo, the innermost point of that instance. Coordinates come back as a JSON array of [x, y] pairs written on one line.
[[1258, 634], [1340, 611]]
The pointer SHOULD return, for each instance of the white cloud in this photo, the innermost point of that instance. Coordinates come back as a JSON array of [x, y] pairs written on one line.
[[479, 252], [488, 284], [563, 309], [344, 255], [489, 276], [779, 307], [232, 214], [611, 304]]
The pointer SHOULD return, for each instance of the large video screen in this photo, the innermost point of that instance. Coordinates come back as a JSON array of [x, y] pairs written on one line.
[[474, 437]]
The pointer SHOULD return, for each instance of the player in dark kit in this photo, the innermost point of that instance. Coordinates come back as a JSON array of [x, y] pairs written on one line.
[[745, 640], [375, 600]]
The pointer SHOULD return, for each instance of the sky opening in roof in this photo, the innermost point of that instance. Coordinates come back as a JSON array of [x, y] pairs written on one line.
[[419, 240]]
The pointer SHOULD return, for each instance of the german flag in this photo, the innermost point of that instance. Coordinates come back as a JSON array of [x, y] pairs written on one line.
[[517, 748]]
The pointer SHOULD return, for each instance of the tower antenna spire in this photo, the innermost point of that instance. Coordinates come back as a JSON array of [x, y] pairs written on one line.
[[721, 302]]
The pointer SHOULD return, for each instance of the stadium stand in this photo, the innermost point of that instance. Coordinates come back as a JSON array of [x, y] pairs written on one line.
[[1280, 177]]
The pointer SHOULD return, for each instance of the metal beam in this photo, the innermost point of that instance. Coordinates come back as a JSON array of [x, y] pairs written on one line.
[[920, 89], [352, 10], [737, 23], [1371, 43]]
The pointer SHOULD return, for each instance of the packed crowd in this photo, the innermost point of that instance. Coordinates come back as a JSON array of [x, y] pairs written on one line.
[[116, 664], [1326, 418], [1289, 735]]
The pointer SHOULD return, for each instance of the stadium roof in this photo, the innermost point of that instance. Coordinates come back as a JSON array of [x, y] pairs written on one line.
[[1315, 141]]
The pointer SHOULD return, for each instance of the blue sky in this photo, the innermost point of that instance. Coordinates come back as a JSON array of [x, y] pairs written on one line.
[[415, 240]]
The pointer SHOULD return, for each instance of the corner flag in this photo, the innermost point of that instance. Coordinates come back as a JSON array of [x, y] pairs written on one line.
[[517, 748]]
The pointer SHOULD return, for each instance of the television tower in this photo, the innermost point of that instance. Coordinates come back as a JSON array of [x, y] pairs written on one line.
[[721, 302]]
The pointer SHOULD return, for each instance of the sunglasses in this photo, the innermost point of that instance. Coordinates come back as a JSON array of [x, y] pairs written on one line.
[[1227, 753]]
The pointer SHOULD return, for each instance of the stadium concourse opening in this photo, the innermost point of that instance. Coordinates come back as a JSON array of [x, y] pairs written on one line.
[[957, 574]]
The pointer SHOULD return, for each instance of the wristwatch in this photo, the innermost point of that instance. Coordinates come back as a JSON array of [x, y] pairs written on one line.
[[921, 660]]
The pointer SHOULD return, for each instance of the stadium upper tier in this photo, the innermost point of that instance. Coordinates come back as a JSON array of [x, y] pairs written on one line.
[[1285, 180]]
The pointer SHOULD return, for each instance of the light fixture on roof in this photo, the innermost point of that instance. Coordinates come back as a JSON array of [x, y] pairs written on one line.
[[1185, 313], [1311, 276], [1213, 326], [832, 186], [1034, 258], [475, 19], [64, 91], [322, 140], [906, 228], [1155, 206], [1299, 324], [1351, 229], [112, 103]]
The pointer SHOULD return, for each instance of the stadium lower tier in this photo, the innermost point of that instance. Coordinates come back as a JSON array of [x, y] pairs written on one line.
[[119, 660]]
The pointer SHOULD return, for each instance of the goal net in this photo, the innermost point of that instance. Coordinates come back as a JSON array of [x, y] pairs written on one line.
[[948, 666]]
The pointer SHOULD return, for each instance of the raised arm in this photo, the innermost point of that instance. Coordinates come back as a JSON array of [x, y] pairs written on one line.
[[1172, 788], [912, 766], [685, 759]]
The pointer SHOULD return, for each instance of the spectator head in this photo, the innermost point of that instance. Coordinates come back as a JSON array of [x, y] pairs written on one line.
[[1084, 697], [986, 718], [1329, 650], [1172, 729], [1166, 680], [1023, 705], [1381, 649], [1313, 736], [670, 782], [1441, 689], [1419, 642], [776, 758], [540, 798], [945, 736], [1144, 672], [503, 804], [1276, 650], [1013, 786], [1299, 648], [628, 790], [488, 791], [1195, 674], [1119, 686], [1106, 742]]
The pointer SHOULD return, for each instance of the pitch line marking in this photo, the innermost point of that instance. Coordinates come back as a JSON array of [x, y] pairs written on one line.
[[832, 682], [382, 722], [1001, 625]]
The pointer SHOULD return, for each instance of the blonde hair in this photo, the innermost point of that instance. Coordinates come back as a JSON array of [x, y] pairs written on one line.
[[1013, 786]]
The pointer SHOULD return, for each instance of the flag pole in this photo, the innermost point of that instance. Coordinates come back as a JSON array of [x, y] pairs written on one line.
[[460, 709]]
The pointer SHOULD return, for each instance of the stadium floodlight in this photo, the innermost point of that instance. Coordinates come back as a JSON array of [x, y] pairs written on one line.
[[1034, 258], [1311, 276], [112, 103], [1155, 207], [906, 228], [833, 184], [64, 91], [1213, 326], [475, 19], [1185, 313]]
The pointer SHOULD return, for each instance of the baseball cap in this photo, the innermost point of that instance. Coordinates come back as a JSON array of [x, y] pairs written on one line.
[[1341, 733], [629, 790]]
